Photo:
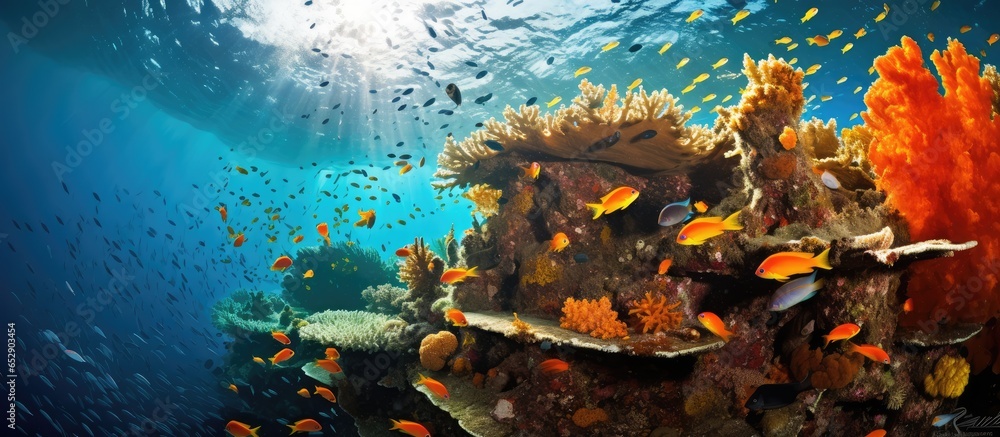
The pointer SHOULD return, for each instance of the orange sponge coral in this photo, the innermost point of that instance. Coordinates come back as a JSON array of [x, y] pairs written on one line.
[[936, 157], [585, 417], [825, 371], [594, 317], [656, 315], [436, 348]]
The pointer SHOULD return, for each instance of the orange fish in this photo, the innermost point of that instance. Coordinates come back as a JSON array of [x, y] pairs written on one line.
[[234, 388], [324, 232], [842, 332], [532, 170], [993, 38], [403, 252], [819, 40], [281, 337], [283, 262], [282, 355], [304, 393], [619, 198], [434, 386], [258, 360], [410, 428], [406, 168], [240, 239], [454, 276], [325, 393], [701, 229], [700, 206], [553, 366], [908, 305], [456, 316], [873, 353], [781, 266], [298, 239], [308, 274], [558, 242], [305, 425], [240, 429], [222, 212], [876, 433], [332, 353], [241, 170], [664, 266], [330, 366], [714, 324], [367, 218]]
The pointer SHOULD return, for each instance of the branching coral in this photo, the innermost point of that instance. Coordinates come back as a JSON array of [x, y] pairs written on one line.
[[247, 312], [937, 159], [485, 199], [951, 374], [594, 317], [825, 371], [656, 314], [540, 270], [774, 92], [340, 272], [436, 348], [647, 130], [421, 271], [586, 417], [351, 330]]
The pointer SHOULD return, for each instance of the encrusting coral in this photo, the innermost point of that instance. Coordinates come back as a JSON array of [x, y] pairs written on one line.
[[656, 315], [541, 270], [485, 199], [594, 317], [436, 348], [825, 371], [350, 330], [936, 156], [585, 417], [647, 131], [951, 375]]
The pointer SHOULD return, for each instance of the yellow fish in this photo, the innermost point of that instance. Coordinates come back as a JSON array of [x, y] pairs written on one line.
[[695, 109], [857, 90], [701, 229], [847, 47], [793, 46], [609, 46], [783, 40], [308, 274], [813, 69], [841, 80], [553, 102], [881, 16], [683, 62], [701, 78], [707, 98], [665, 47], [809, 14], [930, 36], [634, 84], [793, 61], [581, 71], [619, 198], [834, 34], [860, 33], [871, 69], [935, 4], [964, 29], [805, 85], [694, 15], [727, 98], [720, 63], [825, 98], [740, 15], [688, 89], [993, 38], [853, 116]]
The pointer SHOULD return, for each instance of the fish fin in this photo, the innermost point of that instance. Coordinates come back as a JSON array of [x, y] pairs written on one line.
[[292, 427], [472, 272], [805, 383], [598, 209], [823, 260], [732, 223], [808, 296], [817, 285], [253, 432], [688, 217], [395, 424], [827, 339]]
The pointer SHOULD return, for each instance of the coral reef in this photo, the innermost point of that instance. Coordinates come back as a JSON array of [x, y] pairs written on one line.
[[340, 272], [951, 375], [485, 199], [350, 330], [656, 315], [420, 271], [594, 317], [246, 312], [436, 348], [385, 299], [933, 154]]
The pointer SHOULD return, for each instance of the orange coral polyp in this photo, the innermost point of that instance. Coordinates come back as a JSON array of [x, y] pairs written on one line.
[[594, 317], [937, 156], [656, 314]]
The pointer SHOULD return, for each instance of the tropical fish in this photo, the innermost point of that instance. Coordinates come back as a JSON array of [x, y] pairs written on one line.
[[694, 15], [283, 262], [853, 116], [553, 366], [726, 99], [413, 429], [434, 386], [836, 33], [454, 276], [609, 46], [308, 274], [944, 419], [241, 170], [324, 231], [792, 46], [553, 102], [857, 90], [406, 169], [847, 47], [781, 266], [664, 266], [281, 356], [809, 14], [701, 229], [964, 29], [298, 239], [305, 425], [234, 388], [818, 40], [634, 84], [304, 393], [240, 429], [740, 16], [813, 69], [845, 331], [871, 352], [795, 292], [240, 239], [701, 78], [403, 252], [674, 213], [701, 206], [930, 37], [783, 40], [908, 305], [683, 62], [619, 198], [329, 365], [558, 242], [720, 63], [714, 324], [367, 218], [688, 89], [695, 109], [707, 98], [993, 38], [935, 4], [825, 98], [325, 393], [281, 337], [258, 360], [224, 214], [665, 47], [332, 353], [841, 80], [454, 93], [456, 316], [773, 396], [876, 433], [532, 170], [860, 33], [885, 12], [581, 71]]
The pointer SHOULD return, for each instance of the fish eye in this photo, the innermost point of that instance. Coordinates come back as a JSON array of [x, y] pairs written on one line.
[[760, 271], [633, 192], [684, 237]]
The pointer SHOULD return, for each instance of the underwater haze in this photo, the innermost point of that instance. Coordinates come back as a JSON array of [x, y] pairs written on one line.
[[501, 218]]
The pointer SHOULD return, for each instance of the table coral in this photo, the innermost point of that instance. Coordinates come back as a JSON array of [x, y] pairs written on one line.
[[656, 314], [436, 348], [951, 374], [592, 316], [586, 417], [936, 156]]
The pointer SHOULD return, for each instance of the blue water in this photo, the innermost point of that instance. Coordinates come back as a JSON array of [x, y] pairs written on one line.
[[124, 121]]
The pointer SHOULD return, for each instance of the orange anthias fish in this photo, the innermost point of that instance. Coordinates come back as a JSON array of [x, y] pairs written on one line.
[[619, 198], [305, 425], [664, 266], [558, 242], [553, 366], [240, 239], [819, 40], [456, 317], [281, 337], [283, 262], [222, 212], [330, 366], [258, 360], [876, 433], [842, 332], [304, 393], [873, 353], [532, 170], [410, 428], [434, 386], [781, 266], [367, 218], [701, 229], [325, 393], [281, 356], [308, 274], [454, 276], [700, 206], [298, 239], [403, 252], [908, 305], [234, 388], [332, 353], [714, 324], [240, 429], [324, 231]]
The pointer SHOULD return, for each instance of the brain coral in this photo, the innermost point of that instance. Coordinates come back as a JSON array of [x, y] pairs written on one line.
[[594, 317], [937, 158], [436, 348], [951, 374]]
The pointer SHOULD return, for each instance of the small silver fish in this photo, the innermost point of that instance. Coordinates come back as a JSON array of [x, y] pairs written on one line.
[[674, 213], [794, 292]]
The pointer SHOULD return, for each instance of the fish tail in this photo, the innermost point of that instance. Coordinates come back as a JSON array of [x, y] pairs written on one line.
[[271, 360], [598, 209], [395, 424], [732, 223], [292, 428], [253, 431], [823, 260], [472, 272], [827, 339]]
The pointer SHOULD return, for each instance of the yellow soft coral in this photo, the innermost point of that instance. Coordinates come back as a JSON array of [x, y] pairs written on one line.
[[436, 348], [485, 198], [655, 314], [417, 271], [524, 200], [774, 92], [594, 317], [541, 270], [585, 417], [521, 326], [951, 374]]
